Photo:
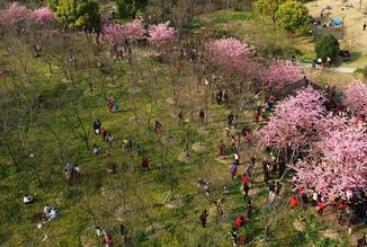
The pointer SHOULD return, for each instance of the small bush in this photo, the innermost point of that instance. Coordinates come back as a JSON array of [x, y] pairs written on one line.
[[140, 236], [327, 46]]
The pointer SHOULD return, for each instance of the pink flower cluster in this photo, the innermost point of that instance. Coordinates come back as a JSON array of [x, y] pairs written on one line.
[[117, 33], [229, 52], [279, 73], [334, 147], [356, 98], [160, 34], [16, 12], [293, 119], [341, 166], [43, 15]]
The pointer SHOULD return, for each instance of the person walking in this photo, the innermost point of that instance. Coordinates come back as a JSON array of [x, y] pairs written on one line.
[[293, 202], [249, 209], [222, 149], [203, 218], [364, 26], [233, 170], [234, 235]]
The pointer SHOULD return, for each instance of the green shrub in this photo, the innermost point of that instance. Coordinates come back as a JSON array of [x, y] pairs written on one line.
[[140, 235], [129, 8], [327, 46]]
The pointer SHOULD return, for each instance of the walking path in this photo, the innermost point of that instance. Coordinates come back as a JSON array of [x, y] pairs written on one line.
[[335, 69]]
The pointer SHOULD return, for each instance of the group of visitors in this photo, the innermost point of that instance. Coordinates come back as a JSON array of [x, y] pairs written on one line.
[[106, 136], [113, 106], [350, 207], [106, 236]]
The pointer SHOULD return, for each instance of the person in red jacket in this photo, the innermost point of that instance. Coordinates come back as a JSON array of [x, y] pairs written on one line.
[[245, 179], [240, 221], [320, 207], [242, 240], [293, 202], [107, 240]]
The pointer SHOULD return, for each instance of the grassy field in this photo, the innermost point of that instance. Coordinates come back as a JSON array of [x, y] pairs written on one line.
[[159, 207]]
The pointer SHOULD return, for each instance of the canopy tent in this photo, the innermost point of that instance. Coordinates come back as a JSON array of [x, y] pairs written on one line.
[[337, 21]]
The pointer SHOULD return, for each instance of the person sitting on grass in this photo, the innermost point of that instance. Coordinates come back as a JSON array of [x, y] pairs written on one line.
[[50, 213], [96, 149], [99, 231], [27, 199]]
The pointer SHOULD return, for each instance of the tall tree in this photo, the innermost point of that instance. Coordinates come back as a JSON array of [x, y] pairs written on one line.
[[80, 14], [129, 8], [268, 8], [293, 16]]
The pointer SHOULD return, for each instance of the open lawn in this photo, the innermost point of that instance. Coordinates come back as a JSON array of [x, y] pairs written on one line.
[[50, 98]]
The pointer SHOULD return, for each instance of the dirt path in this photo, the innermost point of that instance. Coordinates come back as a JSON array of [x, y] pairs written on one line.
[[334, 69]]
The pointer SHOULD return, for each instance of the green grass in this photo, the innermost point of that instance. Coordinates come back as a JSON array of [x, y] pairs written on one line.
[[54, 133]]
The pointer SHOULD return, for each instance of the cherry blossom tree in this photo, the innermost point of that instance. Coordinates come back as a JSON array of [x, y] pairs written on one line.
[[356, 98], [160, 34], [342, 165], [280, 73], [293, 120], [15, 13], [228, 52], [43, 15], [118, 33]]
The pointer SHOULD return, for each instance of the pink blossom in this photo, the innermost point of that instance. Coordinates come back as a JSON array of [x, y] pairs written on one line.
[[43, 15], [118, 33], [294, 119], [135, 30], [356, 98], [342, 165], [160, 34], [279, 73], [228, 52], [14, 13]]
